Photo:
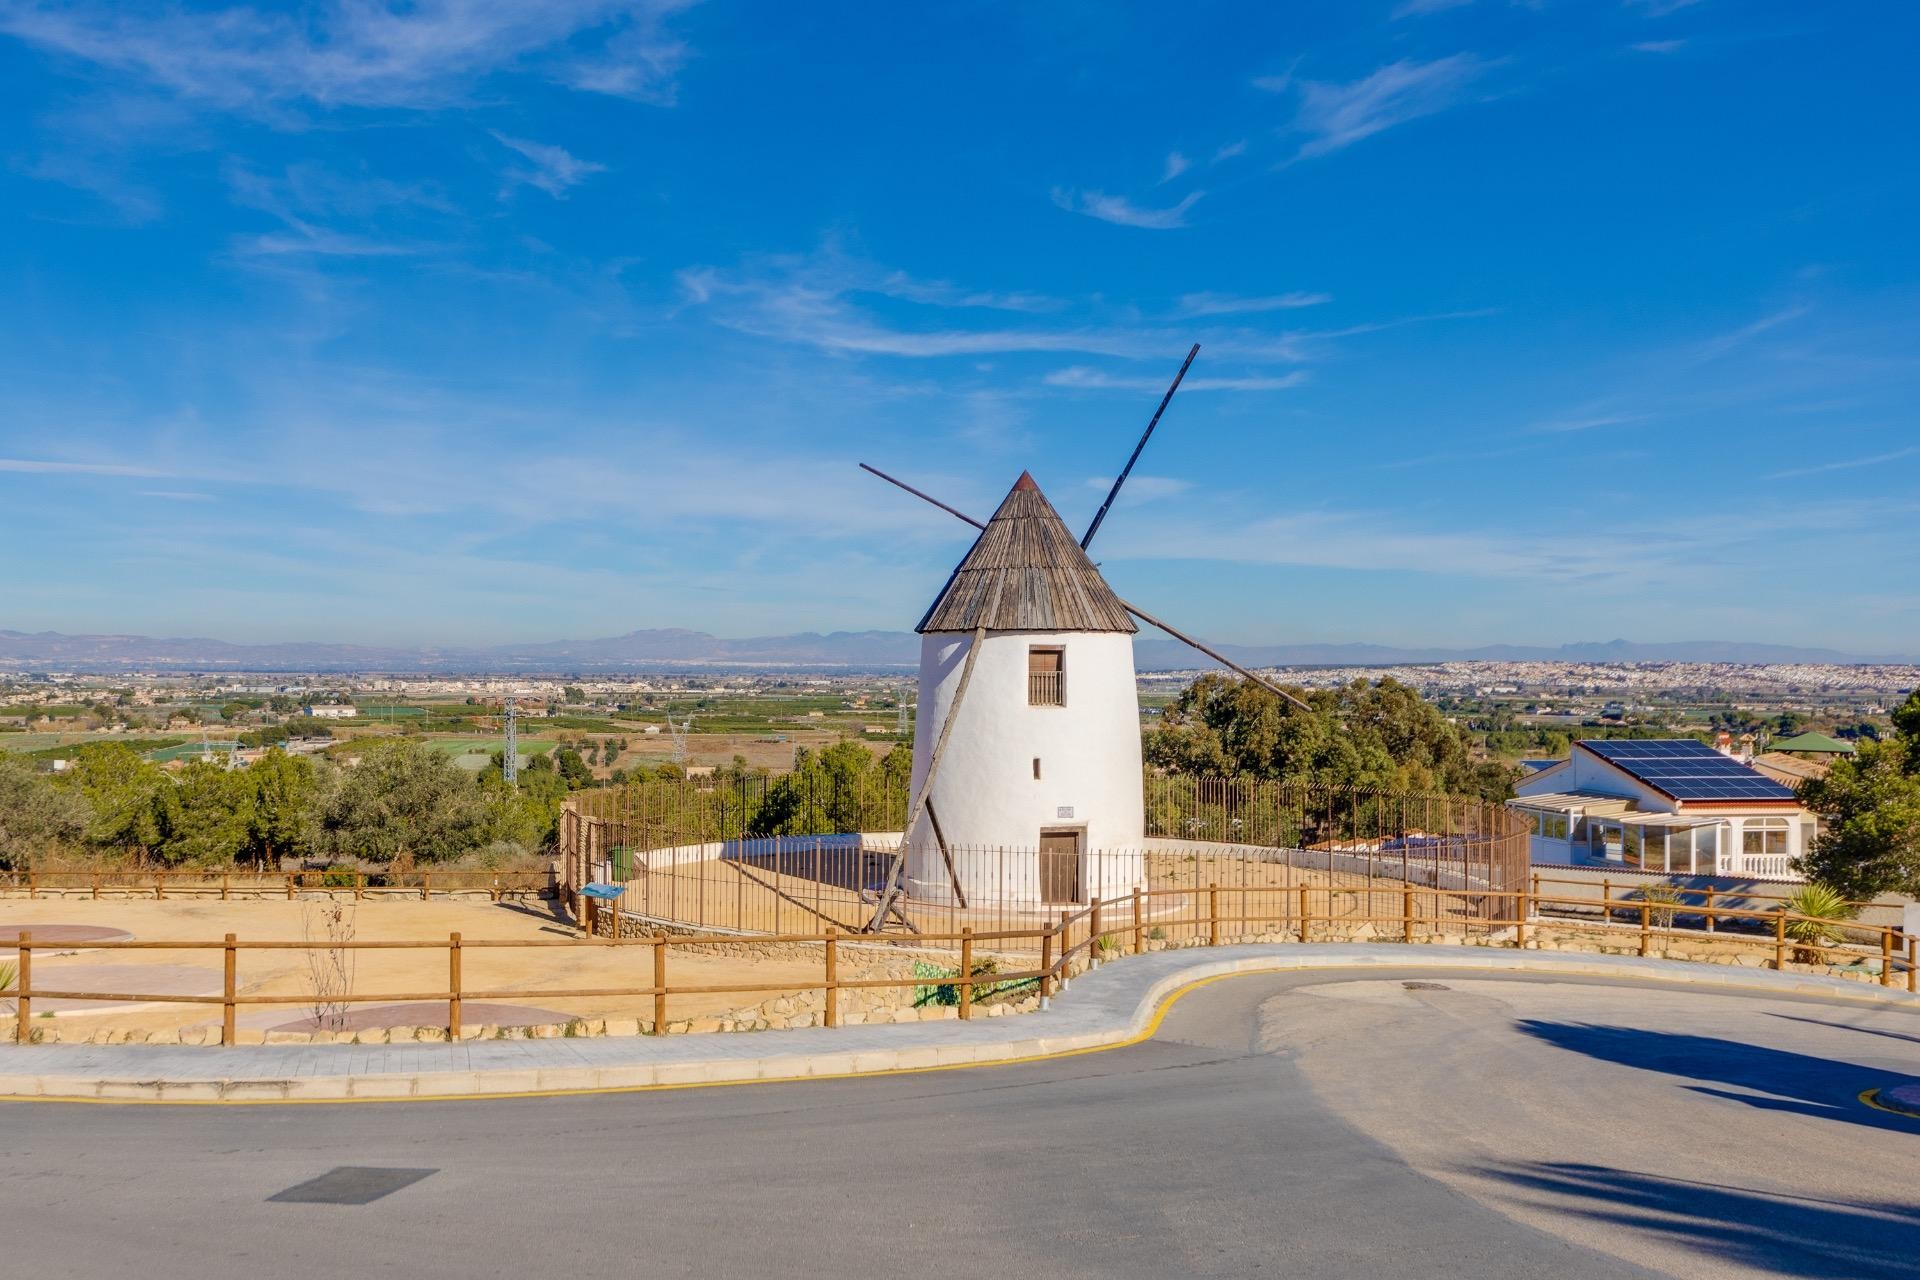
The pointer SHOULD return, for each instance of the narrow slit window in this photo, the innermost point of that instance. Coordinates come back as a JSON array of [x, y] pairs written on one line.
[[1046, 677], [1036, 768]]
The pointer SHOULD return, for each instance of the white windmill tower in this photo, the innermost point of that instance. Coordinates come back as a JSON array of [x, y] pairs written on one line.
[[1026, 664]]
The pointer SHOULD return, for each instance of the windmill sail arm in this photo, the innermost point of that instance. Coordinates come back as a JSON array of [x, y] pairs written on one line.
[[1146, 435], [1231, 665], [923, 496]]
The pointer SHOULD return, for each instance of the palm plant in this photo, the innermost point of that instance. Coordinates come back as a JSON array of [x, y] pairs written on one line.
[[1822, 909]]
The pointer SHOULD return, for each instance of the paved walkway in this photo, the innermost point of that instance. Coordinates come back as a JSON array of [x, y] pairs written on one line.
[[1115, 1004]]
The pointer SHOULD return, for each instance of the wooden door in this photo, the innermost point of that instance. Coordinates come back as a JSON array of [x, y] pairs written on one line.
[[1059, 866]]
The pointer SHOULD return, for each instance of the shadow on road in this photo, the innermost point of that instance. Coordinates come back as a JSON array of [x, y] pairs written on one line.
[[1846, 1026], [1797, 1083], [1779, 1234]]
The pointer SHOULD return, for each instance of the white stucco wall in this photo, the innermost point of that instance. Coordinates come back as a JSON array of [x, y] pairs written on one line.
[[985, 791]]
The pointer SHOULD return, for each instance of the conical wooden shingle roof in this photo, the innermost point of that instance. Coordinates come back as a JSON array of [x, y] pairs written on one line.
[[1026, 572]]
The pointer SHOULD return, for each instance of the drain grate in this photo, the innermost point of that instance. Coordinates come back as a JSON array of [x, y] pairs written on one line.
[[350, 1184], [1426, 986]]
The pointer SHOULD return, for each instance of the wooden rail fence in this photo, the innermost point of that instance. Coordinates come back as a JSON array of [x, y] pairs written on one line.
[[1077, 940], [227, 884]]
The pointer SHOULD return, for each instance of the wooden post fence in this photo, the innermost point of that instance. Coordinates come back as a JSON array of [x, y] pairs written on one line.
[[23, 987], [1780, 940], [230, 968], [660, 984], [832, 993], [1213, 915], [1646, 928], [453, 986], [966, 967], [1406, 915], [1046, 962], [1303, 913], [1139, 936]]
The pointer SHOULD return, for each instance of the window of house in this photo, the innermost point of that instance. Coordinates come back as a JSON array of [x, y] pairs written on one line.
[[1764, 836], [1046, 676]]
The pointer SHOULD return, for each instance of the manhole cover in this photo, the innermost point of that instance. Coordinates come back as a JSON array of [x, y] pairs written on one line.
[[1425, 986], [350, 1184]]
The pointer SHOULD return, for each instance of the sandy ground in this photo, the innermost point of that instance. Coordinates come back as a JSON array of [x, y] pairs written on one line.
[[733, 895], [573, 965]]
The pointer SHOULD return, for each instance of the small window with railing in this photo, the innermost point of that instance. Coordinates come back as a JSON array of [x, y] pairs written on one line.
[[1046, 676]]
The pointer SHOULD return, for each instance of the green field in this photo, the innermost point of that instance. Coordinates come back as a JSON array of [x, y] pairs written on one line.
[[488, 745], [189, 750]]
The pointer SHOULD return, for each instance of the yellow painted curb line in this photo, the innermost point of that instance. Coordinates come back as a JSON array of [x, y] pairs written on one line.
[[1146, 1033], [1872, 1098]]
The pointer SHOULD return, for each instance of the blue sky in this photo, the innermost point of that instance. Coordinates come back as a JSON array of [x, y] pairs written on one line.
[[472, 322]]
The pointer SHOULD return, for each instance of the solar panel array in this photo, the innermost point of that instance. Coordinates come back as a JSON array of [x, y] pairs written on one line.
[[1687, 769]]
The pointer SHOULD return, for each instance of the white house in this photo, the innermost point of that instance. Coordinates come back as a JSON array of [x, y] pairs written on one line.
[[1042, 763], [330, 711], [1663, 804]]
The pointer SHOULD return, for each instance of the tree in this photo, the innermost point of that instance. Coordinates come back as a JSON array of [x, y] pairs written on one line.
[[1870, 810], [1361, 735], [123, 794], [284, 813], [573, 693], [36, 816], [574, 768], [203, 820], [404, 802], [1906, 722]]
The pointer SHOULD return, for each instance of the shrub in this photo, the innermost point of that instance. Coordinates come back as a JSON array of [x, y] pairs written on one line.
[[1662, 900], [1826, 907]]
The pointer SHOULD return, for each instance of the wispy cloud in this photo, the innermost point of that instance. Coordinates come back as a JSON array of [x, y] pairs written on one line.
[[1231, 150], [1584, 422], [1141, 489], [1079, 376], [1659, 46], [1122, 211], [1222, 304], [310, 201], [364, 53], [1333, 115], [1714, 348], [1847, 465], [1176, 165], [176, 495], [818, 302], [54, 467], [1420, 8], [551, 169]]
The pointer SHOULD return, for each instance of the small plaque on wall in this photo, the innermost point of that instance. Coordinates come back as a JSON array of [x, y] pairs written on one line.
[[1064, 811]]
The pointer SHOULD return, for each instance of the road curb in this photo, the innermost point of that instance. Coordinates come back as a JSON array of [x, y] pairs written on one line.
[[1117, 1004]]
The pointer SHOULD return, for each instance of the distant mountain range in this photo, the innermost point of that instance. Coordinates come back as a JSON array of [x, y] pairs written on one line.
[[676, 648]]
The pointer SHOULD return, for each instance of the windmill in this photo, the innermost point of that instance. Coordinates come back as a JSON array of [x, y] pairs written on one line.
[[1025, 617]]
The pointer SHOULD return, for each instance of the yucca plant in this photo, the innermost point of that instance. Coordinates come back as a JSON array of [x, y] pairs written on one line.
[[1827, 908], [8, 974], [1663, 901]]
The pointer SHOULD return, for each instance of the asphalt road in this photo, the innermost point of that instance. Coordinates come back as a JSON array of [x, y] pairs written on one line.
[[1282, 1125]]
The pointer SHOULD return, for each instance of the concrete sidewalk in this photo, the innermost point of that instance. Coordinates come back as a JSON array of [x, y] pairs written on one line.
[[1113, 1005]]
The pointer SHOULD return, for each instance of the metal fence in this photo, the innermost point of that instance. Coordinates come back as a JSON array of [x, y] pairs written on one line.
[[698, 855]]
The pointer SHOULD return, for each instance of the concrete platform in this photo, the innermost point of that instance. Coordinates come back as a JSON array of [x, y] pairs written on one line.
[[1118, 1003]]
